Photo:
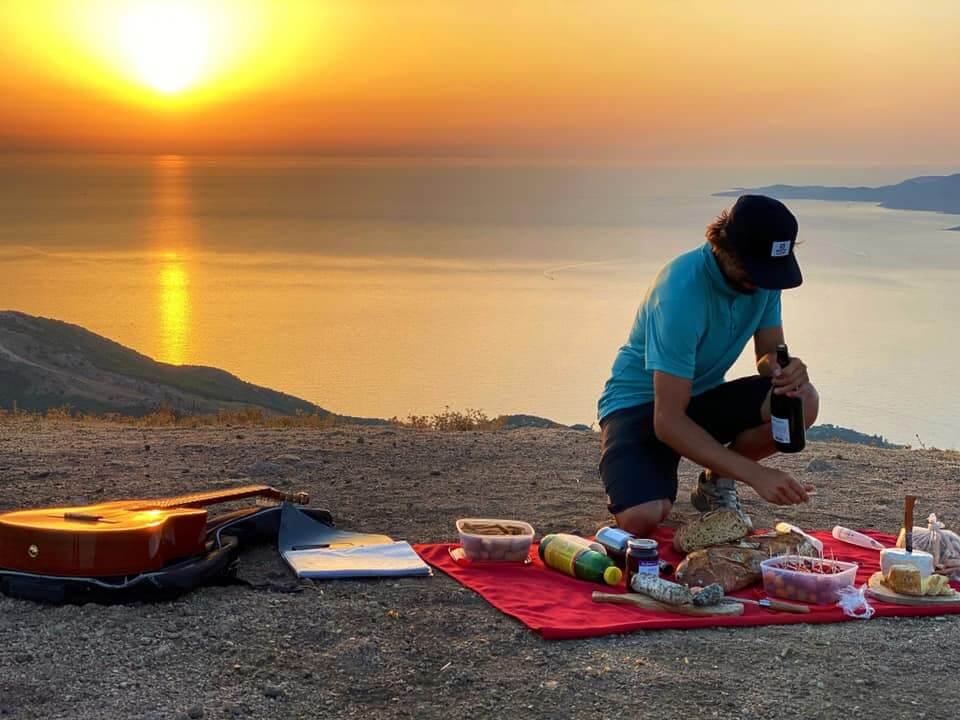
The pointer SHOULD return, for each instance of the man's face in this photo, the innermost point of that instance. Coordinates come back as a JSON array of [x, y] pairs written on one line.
[[736, 276]]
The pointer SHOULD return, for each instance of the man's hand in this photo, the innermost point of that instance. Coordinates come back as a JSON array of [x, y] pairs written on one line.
[[788, 381], [778, 487]]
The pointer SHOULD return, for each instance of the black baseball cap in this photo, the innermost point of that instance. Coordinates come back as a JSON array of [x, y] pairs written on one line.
[[762, 232]]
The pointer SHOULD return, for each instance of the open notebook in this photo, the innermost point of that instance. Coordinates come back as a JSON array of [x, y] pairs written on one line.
[[315, 550]]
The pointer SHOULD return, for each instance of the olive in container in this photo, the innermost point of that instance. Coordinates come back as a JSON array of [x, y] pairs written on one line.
[[486, 540]]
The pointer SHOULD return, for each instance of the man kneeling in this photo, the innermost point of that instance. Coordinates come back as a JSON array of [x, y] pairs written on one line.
[[667, 397]]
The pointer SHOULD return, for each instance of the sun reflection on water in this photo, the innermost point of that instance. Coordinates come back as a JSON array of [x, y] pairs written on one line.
[[174, 312], [170, 237]]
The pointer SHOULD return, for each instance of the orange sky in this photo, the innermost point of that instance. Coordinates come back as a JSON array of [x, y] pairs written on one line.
[[753, 82]]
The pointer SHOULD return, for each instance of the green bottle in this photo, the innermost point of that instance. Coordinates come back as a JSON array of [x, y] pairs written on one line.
[[567, 554]]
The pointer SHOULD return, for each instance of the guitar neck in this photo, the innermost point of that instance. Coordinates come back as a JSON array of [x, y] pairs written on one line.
[[218, 496]]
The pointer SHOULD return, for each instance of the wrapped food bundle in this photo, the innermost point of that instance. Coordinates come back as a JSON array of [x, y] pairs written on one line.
[[935, 539]]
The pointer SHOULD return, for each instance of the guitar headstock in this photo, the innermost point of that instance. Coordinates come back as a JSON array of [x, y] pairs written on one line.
[[276, 497], [300, 498]]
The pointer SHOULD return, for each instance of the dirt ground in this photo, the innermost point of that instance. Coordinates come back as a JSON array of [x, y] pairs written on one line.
[[426, 647]]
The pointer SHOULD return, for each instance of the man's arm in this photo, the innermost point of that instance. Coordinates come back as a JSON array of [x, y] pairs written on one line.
[[674, 427], [786, 381], [765, 342]]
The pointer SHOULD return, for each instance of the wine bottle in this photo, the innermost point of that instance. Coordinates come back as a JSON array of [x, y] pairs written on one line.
[[786, 414]]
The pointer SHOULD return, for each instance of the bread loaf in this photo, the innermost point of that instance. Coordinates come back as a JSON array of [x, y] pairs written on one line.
[[717, 527], [788, 543], [732, 568], [904, 579]]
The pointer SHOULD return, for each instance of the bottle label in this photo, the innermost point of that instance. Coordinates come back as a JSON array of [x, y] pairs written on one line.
[[649, 567], [781, 429], [560, 554]]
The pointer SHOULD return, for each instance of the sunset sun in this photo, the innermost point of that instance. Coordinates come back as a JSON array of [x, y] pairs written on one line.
[[167, 45]]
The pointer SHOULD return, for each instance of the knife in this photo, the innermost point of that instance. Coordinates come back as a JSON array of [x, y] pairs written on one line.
[[772, 604]]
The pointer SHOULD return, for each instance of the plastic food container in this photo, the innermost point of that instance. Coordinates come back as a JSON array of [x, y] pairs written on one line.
[[485, 539], [780, 579]]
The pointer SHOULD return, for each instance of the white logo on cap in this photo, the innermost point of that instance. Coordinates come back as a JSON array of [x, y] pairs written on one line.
[[780, 248]]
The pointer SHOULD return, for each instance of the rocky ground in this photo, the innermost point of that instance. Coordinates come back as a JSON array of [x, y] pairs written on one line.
[[426, 647]]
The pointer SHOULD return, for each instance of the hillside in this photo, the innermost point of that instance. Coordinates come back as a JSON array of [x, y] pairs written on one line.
[[47, 363], [937, 193]]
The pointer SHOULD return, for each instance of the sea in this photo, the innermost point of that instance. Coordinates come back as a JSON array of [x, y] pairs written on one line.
[[391, 287]]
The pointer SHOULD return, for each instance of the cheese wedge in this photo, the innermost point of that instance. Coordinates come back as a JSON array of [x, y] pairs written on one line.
[[936, 585], [904, 579]]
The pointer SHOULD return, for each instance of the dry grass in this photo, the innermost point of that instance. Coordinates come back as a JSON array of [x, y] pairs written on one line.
[[446, 421], [165, 417], [453, 421]]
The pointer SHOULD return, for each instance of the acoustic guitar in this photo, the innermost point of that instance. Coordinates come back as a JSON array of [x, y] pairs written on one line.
[[125, 537]]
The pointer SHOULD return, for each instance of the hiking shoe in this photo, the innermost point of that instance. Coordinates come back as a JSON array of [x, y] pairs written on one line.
[[715, 493]]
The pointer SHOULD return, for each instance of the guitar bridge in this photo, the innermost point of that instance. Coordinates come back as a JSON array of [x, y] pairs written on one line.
[[82, 517]]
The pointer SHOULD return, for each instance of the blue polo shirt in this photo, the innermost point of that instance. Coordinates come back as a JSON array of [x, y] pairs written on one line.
[[691, 324]]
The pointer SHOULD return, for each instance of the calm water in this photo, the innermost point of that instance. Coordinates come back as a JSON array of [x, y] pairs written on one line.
[[389, 288]]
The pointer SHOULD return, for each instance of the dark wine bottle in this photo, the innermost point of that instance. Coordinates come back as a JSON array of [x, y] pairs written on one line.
[[786, 415]]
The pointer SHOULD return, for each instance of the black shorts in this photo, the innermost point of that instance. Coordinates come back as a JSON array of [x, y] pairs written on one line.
[[636, 467]]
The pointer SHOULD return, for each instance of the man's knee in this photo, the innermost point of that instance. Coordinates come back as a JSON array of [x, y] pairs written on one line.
[[811, 404], [643, 519]]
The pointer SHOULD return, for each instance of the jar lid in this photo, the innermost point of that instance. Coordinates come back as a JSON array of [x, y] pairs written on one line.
[[641, 544]]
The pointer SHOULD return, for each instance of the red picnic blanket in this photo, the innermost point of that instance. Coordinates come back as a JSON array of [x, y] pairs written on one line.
[[557, 607]]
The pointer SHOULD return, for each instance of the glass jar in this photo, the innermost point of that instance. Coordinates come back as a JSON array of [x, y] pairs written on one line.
[[642, 558]]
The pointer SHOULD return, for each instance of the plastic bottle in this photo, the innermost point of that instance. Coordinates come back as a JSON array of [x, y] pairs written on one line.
[[589, 544], [854, 538], [567, 554]]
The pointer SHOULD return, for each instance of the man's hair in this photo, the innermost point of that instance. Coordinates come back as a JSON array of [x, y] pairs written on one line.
[[720, 242], [717, 231]]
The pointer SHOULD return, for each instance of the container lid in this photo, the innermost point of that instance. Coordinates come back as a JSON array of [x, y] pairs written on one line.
[[612, 575], [641, 544]]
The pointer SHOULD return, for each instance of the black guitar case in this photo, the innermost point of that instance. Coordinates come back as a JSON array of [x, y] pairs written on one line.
[[226, 535]]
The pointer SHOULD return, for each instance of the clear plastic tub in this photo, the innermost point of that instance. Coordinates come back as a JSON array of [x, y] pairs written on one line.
[[485, 539], [779, 580]]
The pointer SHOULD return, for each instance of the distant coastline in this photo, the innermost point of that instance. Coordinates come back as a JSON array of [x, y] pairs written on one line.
[[931, 193]]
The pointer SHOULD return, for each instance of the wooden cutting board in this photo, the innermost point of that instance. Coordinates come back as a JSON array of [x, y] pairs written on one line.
[[647, 603], [877, 589]]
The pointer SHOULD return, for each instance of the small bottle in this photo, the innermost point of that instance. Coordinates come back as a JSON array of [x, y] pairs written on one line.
[[786, 414], [614, 542], [642, 558], [855, 538], [567, 554]]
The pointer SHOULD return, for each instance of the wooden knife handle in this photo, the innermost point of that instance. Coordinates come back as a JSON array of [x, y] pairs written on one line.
[[908, 504], [786, 606]]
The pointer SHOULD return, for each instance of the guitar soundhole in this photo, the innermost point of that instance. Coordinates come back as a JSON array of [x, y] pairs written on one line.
[[33, 551]]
